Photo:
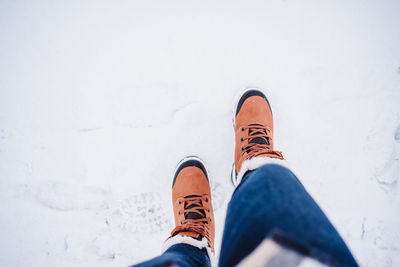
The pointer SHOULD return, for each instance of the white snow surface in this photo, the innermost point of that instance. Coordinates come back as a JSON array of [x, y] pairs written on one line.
[[99, 100]]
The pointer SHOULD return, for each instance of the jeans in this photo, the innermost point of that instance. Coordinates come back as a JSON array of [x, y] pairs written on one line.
[[181, 255], [269, 200]]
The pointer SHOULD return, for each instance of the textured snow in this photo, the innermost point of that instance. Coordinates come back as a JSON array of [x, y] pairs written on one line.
[[99, 100]]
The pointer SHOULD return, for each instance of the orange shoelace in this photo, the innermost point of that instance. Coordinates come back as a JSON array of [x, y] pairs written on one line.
[[254, 149], [193, 204]]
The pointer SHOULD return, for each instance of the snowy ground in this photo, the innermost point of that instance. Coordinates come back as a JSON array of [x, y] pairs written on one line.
[[100, 99]]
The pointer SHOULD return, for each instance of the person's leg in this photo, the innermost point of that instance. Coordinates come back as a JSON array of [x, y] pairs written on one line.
[[181, 255], [271, 199], [192, 241]]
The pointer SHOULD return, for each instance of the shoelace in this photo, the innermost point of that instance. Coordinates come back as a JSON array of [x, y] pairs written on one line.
[[259, 142], [194, 205]]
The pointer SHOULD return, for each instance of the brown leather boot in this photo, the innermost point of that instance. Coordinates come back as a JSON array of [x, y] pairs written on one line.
[[254, 130], [193, 212]]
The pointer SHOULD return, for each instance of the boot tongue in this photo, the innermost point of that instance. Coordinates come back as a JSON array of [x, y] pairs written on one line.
[[258, 140], [194, 215]]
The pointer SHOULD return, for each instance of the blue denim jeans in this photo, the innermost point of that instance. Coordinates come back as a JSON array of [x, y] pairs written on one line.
[[269, 201], [181, 255]]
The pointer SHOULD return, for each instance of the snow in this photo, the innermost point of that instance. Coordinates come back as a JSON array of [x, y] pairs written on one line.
[[100, 100]]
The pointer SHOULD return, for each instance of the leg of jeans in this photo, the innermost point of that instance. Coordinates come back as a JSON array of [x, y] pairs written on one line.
[[181, 255], [269, 199]]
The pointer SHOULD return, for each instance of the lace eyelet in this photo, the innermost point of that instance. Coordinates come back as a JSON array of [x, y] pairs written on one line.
[[179, 202], [181, 222], [241, 139], [210, 219], [208, 210], [242, 149], [242, 129], [179, 212], [206, 199]]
